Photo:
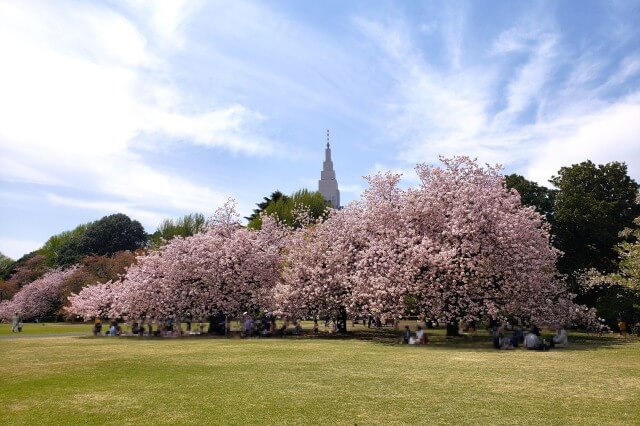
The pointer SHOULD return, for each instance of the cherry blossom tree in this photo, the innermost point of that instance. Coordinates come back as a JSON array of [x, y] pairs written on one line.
[[458, 247], [40, 298], [93, 301], [225, 269], [314, 281], [327, 263]]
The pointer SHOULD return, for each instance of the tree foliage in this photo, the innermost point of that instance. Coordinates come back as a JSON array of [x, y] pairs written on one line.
[[617, 294], [64, 249], [261, 206], [532, 194], [106, 236], [97, 269], [40, 298], [458, 247], [284, 208], [628, 273], [22, 272], [112, 234], [185, 226], [6, 263], [592, 206], [224, 269]]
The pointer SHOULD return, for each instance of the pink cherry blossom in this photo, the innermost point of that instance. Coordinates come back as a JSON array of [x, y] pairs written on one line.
[[458, 247], [224, 269], [39, 298]]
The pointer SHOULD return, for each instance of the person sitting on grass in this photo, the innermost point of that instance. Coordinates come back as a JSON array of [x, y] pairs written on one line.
[[421, 337], [297, 327], [497, 335], [622, 327], [506, 343], [517, 337], [406, 335], [560, 339], [533, 342], [283, 329], [97, 326], [247, 328]]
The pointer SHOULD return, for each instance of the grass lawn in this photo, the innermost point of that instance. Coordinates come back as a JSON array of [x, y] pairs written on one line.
[[45, 328], [365, 379]]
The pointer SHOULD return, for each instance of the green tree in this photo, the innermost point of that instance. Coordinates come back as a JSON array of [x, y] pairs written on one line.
[[628, 274], [617, 294], [6, 263], [273, 198], [284, 207], [592, 206], [185, 226], [112, 234], [532, 194], [64, 249]]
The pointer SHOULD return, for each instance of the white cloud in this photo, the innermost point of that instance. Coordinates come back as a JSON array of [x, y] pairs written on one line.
[[352, 189], [542, 123], [79, 84], [166, 18], [432, 111], [453, 34], [223, 128], [530, 80], [409, 177], [612, 134], [586, 70], [149, 219], [512, 40], [629, 67]]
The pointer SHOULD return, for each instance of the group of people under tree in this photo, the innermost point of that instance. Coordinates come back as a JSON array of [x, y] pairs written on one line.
[[532, 340], [151, 327], [419, 338], [264, 324]]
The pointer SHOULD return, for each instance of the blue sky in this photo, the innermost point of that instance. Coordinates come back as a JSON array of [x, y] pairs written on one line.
[[165, 108]]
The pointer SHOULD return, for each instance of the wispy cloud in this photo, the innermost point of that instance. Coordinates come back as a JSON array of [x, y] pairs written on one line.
[[527, 103], [74, 103], [525, 88]]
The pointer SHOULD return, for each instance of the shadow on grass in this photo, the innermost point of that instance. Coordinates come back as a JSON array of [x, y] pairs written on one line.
[[481, 341], [579, 341]]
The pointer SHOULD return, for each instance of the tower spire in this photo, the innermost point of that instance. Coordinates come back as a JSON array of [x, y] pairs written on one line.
[[328, 185]]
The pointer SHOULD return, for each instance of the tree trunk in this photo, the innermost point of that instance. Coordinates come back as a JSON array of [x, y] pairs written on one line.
[[217, 325], [341, 323], [453, 329]]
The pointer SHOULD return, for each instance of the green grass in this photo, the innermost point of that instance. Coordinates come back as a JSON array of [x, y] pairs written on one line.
[[365, 379], [45, 328]]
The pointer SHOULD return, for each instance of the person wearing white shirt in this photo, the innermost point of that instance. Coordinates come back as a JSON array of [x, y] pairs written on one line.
[[560, 339], [533, 342], [421, 338]]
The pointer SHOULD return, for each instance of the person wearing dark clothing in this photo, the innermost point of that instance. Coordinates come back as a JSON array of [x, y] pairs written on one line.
[[406, 335]]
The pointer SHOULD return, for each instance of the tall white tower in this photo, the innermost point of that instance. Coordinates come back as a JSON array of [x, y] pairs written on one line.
[[328, 185]]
